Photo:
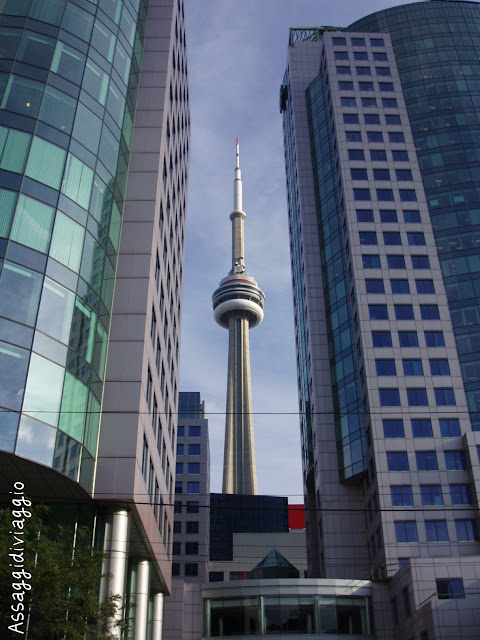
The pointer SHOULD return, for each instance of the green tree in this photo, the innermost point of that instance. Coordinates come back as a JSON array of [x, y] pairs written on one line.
[[65, 572]]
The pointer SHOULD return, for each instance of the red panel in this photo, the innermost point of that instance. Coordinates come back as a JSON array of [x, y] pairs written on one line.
[[296, 516]]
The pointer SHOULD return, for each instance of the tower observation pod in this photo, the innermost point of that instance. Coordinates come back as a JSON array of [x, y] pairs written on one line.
[[238, 306]]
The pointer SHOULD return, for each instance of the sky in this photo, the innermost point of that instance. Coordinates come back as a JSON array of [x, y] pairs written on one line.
[[237, 53]]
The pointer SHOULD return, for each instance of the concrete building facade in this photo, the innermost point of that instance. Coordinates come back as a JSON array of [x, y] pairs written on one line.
[[91, 260], [389, 439], [191, 527]]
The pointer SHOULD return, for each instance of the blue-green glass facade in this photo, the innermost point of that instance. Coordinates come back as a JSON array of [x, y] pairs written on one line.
[[349, 427], [69, 74], [437, 48]]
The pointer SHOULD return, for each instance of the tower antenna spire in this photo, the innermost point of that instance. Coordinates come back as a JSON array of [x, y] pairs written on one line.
[[237, 184]]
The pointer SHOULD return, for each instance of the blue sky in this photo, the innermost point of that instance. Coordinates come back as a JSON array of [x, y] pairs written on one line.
[[237, 54]]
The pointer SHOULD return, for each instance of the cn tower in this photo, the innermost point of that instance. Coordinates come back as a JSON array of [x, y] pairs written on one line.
[[238, 306]]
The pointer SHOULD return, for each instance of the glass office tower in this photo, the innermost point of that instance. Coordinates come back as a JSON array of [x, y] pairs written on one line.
[[94, 135], [380, 152]]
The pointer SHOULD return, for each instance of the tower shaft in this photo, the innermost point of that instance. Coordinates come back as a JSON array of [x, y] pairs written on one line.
[[239, 469]]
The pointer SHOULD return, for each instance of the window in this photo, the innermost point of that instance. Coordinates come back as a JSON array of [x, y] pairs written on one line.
[[191, 569], [377, 42], [381, 338], [422, 428], [406, 531], [425, 286], [436, 530], [358, 42], [360, 55], [193, 449], [450, 588], [466, 530], [385, 86], [402, 495], [191, 548], [408, 338], [416, 238], [359, 174], [407, 195], [177, 507], [192, 526], [193, 487], [392, 238], [350, 118], [385, 367], [420, 262], [356, 154], [426, 460], [175, 569], [176, 548], [340, 55], [378, 311], [381, 174], [353, 136], [378, 155], [389, 397], [397, 461], [371, 261], [345, 85], [339, 41], [364, 215], [391, 118], [429, 312], [400, 286], [431, 495], [412, 216], [399, 155], [404, 312], [393, 429], [389, 103], [396, 262], [445, 397], [396, 136], [372, 118], [177, 526], [368, 237], [374, 136], [369, 102], [461, 494], [417, 397], [193, 468], [412, 368], [434, 339], [179, 467], [374, 285], [180, 449], [455, 460], [388, 215], [384, 71], [194, 431], [361, 194], [348, 102], [178, 486], [344, 71], [450, 427], [439, 367], [193, 506], [366, 86]]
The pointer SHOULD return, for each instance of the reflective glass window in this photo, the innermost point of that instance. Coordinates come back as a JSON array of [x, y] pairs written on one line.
[[360, 55], [87, 128], [122, 62], [364, 215], [22, 96], [425, 286], [368, 237], [450, 588], [445, 397], [77, 181], [366, 86], [385, 195], [78, 21], [50, 11], [439, 367], [436, 530], [74, 404], [367, 101], [404, 312], [36, 49], [429, 312], [82, 336], [407, 195], [381, 338], [13, 372], [400, 155], [108, 152], [9, 39], [374, 285], [341, 55], [67, 242], [95, 81], [345, 85], [388, 215], [434, 339], [408, 338], [461, 494], [361, 194], [450, 427], [466, 530], [385, 86], [8, 200], [371, 261], [49, 173], [33, 223], [420, 262], [422, 428], [374, 136], [115, 103], [43, 392], [113, 9], [58, 109], [389, 103], [35, 441], [19, 293], [397, 461], [392, 238], [455, 460], [372, 118], [389, 397], [416, 238], [14, 146], [431, 494], [393, 429], [391, 118], [359, 174], [400, 286], [68, 63], [348, 101], [56, 309], [356, 154], [406, 531], [378, 311], [412, 368], [404, 175], [381, 174], [426, 460], [353, 136], [378, 154], [396, 262], [385, 367], [417, 397], [344, 71], [402, 495], [412, 217]]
